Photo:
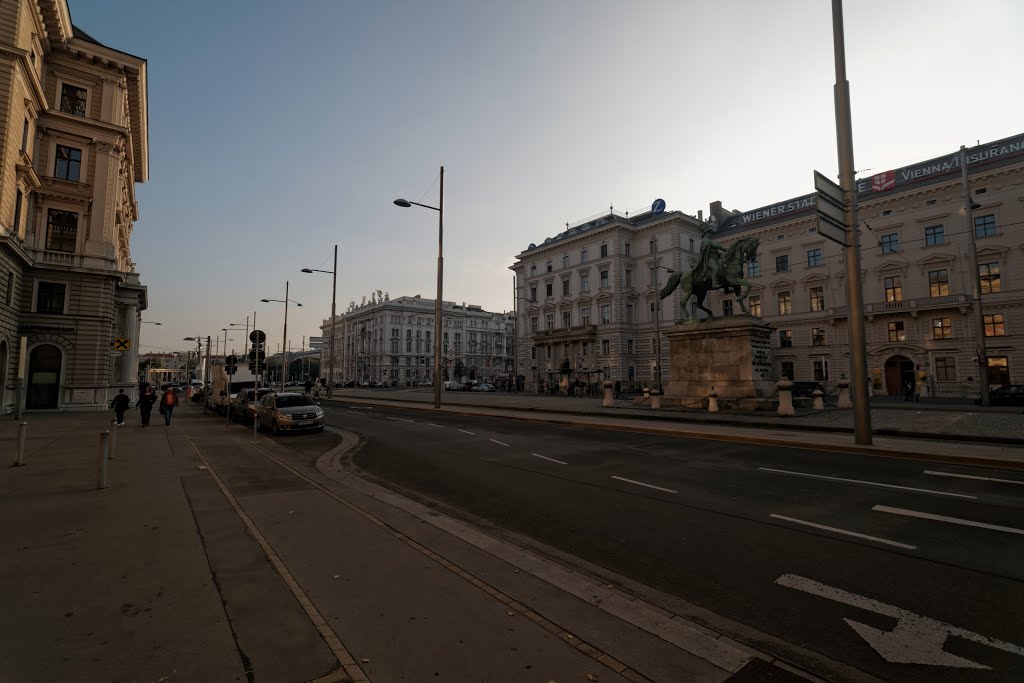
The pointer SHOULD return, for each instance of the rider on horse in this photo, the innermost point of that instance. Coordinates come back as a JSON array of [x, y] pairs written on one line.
[[709, 265]]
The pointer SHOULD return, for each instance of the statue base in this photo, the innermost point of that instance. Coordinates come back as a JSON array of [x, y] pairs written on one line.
[[732, 355]]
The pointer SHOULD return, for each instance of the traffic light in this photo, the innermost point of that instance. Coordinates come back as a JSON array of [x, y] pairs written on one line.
[[231, 364], [257, 356]]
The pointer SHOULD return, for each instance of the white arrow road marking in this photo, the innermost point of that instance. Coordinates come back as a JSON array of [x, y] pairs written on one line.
[[640, 483], [943, 518], [971, 476], [868, 483], [544, 457], [876, 539], [915, 640]]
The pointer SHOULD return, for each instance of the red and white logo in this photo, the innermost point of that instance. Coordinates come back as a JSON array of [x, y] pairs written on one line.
[[883, 181]]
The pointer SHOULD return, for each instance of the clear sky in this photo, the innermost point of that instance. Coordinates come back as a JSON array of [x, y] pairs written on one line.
[[278, 129]]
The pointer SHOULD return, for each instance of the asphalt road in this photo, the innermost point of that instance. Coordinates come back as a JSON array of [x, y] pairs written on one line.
[[906, 570]]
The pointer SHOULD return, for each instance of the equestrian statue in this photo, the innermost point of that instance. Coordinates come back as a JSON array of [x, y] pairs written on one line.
[[718, 267]]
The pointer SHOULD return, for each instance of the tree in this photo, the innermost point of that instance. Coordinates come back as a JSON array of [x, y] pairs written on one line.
[[460, 369]]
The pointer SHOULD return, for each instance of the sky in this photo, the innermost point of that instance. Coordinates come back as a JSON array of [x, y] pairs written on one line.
[[279, 129]]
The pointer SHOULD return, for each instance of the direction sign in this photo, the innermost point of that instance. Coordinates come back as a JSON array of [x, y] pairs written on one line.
[[257, 336], [822, 185], [831, 209], [121, 343], [830, 230]]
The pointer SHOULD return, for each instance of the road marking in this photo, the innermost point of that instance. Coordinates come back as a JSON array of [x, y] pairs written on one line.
[[971, 476], [354, 412], [869, 483], [942, 518], [544, 457], [640, 483], [400, 419], [915, 640], [847, 533], [500, 443], [434, 425], [466, 431]]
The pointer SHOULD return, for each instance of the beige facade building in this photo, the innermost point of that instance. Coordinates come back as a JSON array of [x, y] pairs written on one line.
[[391, 340], [917, 275], [587, 305], [73, 144]]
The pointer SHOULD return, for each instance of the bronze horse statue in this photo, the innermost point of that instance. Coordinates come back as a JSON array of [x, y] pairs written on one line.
[[728, 267]]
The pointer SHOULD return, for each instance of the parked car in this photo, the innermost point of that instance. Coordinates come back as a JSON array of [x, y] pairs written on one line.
[[1011, 395], [483, 386], [289, 412], [243, 405]]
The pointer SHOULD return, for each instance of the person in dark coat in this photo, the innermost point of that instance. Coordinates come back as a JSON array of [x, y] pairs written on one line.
[[146, 401], [120, 404], [618, 388], [308, 386]]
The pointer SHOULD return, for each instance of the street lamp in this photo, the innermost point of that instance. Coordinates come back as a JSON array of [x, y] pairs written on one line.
[[146, 322], [334, 300], [284, 343], [440, 276], [657, 324]]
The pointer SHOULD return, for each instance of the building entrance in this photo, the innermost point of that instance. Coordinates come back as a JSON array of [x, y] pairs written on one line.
[[898, 371], [43, 378]]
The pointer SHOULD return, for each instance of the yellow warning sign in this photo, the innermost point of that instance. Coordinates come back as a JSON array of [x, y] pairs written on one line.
[[121, 343]]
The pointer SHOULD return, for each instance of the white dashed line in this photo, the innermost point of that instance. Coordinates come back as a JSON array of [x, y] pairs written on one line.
[[868, 483], [971, 476], [400, 419], [434, 425], [354, 412], [544, 457], [845, 532], [466, 431], [500, 443], [640, 483], [942, 518]]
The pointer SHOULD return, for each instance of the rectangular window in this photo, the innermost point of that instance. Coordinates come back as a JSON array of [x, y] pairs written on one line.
[[69, 164], [629, 347], [606, 314], [606, 346], [61, 230], [994, 325], [604, 250], [691, 244], [942, 328], [629, 278], [24, 136], [891, 243], [938, 283], [17, 212], [583, 256], [585, 315], [727, 307], [9, 294], [653, 244], [50, 298], [782, 263], [821, 371], [753, 268], [985, 226], [584, 283], [893, 289], [934, 235], [565, 261], [627, 248], [754, 305], [394, 346], [549, 321], [629, 313], [989, 274], [818, 336], [565, 288], [548, 265], [548, 289], [945, 369], [786, 339], [533, 294], [787, 369], [785, 303], [813, 258], [533, 324], [604, 279], [817, 297], [896, 332], [566, 320], [72, 99]]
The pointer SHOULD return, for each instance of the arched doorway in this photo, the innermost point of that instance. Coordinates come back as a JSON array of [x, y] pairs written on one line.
[[898, 371], [43, 378], [3, 374]]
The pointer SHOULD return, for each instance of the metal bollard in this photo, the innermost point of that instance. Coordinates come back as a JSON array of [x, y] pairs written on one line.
[[101, 475], [713, 401], [19, 457]]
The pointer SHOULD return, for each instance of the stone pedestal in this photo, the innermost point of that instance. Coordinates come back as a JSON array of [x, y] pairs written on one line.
[[732, 354]]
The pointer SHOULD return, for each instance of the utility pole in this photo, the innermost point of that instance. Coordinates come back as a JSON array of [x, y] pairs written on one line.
[[515, 335], [657, 321], [334, 301], [972, 255]]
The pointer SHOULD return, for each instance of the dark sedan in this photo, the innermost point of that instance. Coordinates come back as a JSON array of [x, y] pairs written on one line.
[[1010, 395]]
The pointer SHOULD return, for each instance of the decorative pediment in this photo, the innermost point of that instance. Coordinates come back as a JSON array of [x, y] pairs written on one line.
[[993, 252], [891, 264], [781, 282], [814, 279], [936, 260]]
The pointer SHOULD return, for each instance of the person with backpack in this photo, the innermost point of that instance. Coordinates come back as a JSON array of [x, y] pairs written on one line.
[[167, 404]]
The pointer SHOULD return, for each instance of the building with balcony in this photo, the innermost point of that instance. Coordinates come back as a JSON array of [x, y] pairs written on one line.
[[587, 305], [916, 276], [392, 341], [73, 145]]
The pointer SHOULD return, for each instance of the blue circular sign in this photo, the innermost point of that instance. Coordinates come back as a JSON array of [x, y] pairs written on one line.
[[658, 206]]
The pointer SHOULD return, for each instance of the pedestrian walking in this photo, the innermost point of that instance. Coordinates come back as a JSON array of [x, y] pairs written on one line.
[[908, 391], [308, 386], [146, 401], [316, 389], [618, 388], [167, 404], [120, 404]]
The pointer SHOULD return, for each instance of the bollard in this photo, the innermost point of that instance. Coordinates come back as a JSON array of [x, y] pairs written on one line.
[[101, 475], [609, 399], [19, 457], [655, 399], [844, 394], [713, 401], [785, 398], [818, 403]]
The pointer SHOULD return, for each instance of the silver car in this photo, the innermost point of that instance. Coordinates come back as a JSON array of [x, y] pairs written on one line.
[[289, 412]]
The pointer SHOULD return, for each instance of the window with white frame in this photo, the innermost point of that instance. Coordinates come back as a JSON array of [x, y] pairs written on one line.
[[50, 297], [61, 230], [606, 314], [73, 99], [989, 275]]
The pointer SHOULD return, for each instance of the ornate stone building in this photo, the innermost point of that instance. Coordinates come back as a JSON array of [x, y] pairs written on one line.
[[73, 144], [391, 340], [916, 276], [587, 298]]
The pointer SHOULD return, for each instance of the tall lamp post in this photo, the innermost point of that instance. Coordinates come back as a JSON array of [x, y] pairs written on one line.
[[657, 323], [284, 343], [334, 301], [404, 203]]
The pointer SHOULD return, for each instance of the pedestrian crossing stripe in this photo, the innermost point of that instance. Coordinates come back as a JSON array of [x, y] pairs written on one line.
[[121, 343]]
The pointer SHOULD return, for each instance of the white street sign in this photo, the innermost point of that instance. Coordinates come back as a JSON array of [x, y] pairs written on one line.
[[915, 640], [830, 230]]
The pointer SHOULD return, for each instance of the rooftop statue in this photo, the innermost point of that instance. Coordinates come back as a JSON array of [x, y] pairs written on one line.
[[718, 267]]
